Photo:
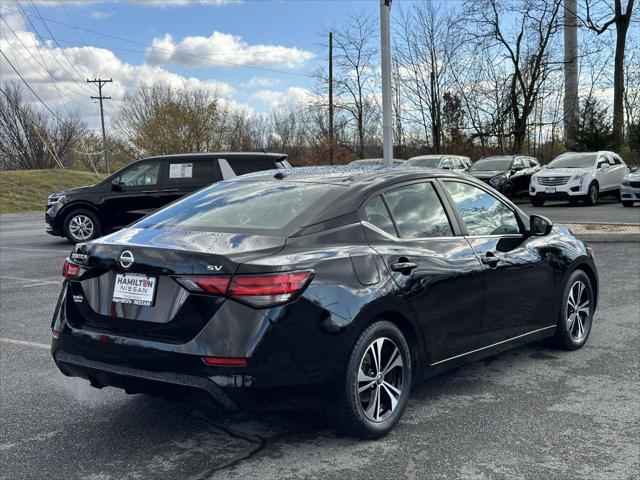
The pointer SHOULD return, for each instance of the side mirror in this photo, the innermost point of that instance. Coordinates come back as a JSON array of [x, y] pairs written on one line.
[[539, 226], [115, 185], [603, 166]]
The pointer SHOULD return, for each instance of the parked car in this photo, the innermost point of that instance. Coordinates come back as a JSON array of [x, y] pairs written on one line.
[[335, 286], [455, 163], [376, 162], [575, 176], [509, 174], [630, 189], [84, 213]]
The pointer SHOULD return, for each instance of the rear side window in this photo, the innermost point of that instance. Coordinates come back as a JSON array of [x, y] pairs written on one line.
[[483, 213], [184, 171], [249, 165], [241, 206], [418, 212], [376, 213]]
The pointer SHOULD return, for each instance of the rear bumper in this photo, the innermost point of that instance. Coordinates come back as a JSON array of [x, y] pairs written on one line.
[[101, 374]]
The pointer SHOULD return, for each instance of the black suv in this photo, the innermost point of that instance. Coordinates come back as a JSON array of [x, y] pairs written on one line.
[[84, 213]]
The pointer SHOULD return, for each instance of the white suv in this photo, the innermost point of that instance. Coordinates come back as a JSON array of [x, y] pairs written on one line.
[[578, 176]]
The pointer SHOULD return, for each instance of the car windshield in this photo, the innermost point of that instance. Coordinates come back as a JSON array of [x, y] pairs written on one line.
[[240, 206], [574, 160], [491, 164], [431, 162]]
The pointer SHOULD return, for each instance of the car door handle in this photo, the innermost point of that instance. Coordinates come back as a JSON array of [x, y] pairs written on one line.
[[403, 267], [170, 190], [490, 259], [150, 191]]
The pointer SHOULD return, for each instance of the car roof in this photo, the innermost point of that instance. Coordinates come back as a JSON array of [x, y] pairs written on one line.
[[226, 155]]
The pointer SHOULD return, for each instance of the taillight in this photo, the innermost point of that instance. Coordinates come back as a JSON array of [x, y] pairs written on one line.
[[225, 361], [260, 291], [72, 271]]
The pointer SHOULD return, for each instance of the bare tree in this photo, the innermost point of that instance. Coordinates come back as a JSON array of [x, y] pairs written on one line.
[[355, 76], [160, 119], [599, 17], [29, 139], [523, 31]]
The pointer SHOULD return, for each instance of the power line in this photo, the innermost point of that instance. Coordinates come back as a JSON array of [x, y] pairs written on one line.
[[197, 55], [54, 39], [29, 87], [55, 57], [43, 65]]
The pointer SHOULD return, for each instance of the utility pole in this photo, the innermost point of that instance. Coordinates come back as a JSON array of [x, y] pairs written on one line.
[[570, 71], [101, 83], [331, 98], [385, 44]]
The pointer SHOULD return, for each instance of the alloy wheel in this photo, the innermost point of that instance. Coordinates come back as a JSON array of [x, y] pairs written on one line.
[[593, 194], [578, 311], [81, 227], [380, 379]]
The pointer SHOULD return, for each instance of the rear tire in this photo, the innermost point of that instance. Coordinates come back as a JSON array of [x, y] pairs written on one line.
[[576, 313], [536, 202], [377, 382], [592, 195], [81, 226]]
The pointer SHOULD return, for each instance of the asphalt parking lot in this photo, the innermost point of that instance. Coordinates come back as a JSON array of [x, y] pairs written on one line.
[[531, 413], [607, 211]]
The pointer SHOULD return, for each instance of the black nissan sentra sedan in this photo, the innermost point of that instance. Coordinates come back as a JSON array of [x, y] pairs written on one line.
[[344, 286]]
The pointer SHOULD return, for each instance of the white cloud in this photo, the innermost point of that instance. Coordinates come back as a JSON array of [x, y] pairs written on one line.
[[262, 82], [100, 15], [29, 55], [222, 49], [277, 99]]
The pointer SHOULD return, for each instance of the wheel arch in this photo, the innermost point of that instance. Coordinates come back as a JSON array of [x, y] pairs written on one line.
[[79, 205], [401, 319], [593, 279]]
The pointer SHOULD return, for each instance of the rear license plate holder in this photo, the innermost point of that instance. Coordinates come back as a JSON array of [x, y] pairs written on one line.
[[134, 289]]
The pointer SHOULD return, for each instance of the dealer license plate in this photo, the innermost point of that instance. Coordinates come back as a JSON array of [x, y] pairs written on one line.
[[550, 190], [134, 289]]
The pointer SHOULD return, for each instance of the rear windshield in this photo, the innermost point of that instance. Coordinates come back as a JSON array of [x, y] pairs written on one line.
[[491, 164], [432, 162], [574, 160], [240, 206]]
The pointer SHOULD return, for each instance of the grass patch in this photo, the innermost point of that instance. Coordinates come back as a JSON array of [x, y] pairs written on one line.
[[27, 190]]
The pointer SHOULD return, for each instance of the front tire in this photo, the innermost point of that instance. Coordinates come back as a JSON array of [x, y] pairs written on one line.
[[81, 226], [592, 195], [536, 202], [576, 313], [376, 385], [627, 203]]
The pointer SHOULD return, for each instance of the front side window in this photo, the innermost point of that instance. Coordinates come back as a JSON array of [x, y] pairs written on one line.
[[483, 213], [418, 211], [376, 213], [241, 206], [142, 174]]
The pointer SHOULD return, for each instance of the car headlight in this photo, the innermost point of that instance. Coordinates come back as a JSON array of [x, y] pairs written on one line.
[[534, 179], [579, 177], [498, 180]]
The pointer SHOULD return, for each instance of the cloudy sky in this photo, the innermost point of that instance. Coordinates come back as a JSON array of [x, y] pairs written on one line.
[[256, 53]]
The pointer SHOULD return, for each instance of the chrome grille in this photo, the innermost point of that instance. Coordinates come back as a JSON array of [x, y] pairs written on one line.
[[553, 181]]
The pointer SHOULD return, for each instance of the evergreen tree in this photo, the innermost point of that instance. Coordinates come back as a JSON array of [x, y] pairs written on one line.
[[594, 130]]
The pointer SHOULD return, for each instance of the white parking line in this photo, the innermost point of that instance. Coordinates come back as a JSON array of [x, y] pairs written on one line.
[[31, 282], [25, 343]]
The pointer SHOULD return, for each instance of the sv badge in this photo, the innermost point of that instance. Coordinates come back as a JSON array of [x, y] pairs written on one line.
[[214, 268]]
